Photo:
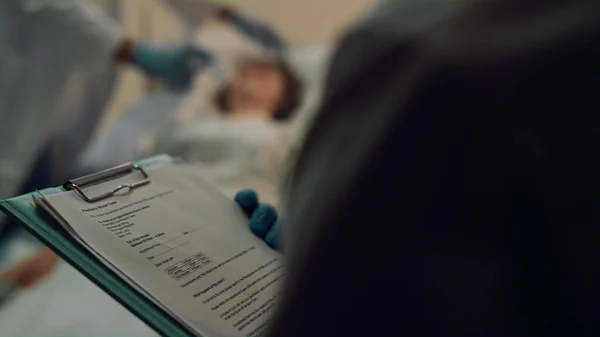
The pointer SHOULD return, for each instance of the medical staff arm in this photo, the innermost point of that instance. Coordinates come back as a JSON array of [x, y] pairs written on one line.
[[257, 31], [176, 65]]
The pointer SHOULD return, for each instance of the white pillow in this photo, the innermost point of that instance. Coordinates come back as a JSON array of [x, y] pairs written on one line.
[[311, 62]]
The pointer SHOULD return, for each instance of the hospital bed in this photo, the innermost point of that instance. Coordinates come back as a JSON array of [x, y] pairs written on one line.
[[127, 137], [131, 136]]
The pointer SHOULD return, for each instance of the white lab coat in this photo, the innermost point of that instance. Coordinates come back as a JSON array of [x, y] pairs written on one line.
[[56, 77]]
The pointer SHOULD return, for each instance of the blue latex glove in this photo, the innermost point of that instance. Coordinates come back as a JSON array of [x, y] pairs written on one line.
[[258, 31], [174, 65], [263, 217]]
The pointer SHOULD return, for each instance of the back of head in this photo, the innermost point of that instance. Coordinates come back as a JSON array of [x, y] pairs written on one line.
[[449, 185]]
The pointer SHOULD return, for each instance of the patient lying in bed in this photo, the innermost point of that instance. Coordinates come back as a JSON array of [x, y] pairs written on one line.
[[242, 145]]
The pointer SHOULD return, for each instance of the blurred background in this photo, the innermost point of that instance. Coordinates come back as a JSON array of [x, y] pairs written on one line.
[[100, 114], [309, 26]]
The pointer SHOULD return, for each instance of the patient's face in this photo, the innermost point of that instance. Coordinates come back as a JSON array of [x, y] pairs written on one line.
[[256, 85]]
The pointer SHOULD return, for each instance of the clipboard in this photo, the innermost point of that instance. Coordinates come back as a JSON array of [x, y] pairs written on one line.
[[23, 210]]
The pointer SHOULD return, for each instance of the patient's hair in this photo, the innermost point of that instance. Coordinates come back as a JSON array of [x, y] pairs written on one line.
[[292, 93]]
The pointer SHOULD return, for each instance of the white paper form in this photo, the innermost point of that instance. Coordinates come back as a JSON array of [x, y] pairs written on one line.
[[183, 241]]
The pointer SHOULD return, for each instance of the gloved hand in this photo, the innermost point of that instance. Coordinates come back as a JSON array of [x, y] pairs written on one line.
[[174, 65], [255, 30], [263, 217]]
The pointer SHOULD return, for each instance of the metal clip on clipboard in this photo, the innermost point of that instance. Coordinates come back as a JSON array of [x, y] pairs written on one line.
[[78, 184]]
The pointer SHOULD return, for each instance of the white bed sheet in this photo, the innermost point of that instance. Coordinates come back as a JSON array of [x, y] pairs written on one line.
[[66, 304]]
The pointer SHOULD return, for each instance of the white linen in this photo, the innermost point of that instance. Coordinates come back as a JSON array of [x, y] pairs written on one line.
[[66, 304], [250, 153]]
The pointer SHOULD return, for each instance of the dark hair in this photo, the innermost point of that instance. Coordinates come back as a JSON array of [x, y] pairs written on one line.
[[291, 97]]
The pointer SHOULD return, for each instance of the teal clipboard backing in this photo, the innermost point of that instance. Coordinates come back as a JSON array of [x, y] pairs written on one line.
[[42, 226]]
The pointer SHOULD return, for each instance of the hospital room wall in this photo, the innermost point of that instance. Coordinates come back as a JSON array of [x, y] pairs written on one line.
[[307, 21]]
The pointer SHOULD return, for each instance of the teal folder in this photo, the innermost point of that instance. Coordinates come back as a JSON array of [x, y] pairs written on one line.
[[23, 210]]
